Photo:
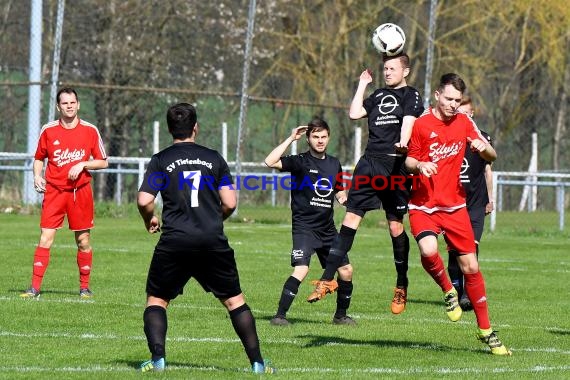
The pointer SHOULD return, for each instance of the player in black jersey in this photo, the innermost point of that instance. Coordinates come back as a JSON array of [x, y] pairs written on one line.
[[197, 194], [477, 179], [391, 112], [313, 191]]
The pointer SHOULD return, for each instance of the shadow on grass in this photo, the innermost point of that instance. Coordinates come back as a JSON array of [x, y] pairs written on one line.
[[291, 320], [318, 341], [175, 365], [48, 292], [435, 302]]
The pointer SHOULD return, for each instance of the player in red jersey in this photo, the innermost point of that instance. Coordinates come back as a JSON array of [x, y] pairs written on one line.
[[437, 204], [72, 148]]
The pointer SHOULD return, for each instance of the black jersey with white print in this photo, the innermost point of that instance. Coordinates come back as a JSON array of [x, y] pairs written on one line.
[[386, 108], [188, 177], [472, 177], [313, 186]]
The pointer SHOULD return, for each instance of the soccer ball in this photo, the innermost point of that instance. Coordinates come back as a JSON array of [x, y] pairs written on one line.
[[389, 39]]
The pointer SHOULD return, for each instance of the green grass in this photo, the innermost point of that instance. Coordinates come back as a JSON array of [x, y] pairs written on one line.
[[526, 267]]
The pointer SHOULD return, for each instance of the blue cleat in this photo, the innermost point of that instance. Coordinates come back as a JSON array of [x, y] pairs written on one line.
[[153, 365], [264, 367]]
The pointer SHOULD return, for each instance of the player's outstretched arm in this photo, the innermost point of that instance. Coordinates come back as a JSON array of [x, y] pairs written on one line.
[[273, 159], [357, 110]]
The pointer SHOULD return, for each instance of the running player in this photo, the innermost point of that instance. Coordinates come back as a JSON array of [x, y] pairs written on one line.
[[313, 190], [437, 204], [477, 180], [72, 148], [391, 112], [198, 195]]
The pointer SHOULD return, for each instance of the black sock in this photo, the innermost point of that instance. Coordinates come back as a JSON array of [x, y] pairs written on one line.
[[342, 244], [155, 326], [344, 295], [455, 274], [401, 247], [290, 289], [244, 326]]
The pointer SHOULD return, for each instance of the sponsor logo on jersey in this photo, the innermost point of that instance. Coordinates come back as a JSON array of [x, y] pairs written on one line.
[[297, 253], [56, 142], [463, 174], [439, 151], [388, 104], [433, 135], [64, 157]]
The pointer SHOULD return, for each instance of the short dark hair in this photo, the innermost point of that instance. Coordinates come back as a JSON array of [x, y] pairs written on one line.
[[66, 90], [316, 125], [466, 99], [403, 57], [181, 119], [454, 80]]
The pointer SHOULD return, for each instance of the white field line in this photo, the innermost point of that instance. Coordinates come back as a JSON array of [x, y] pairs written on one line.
[[369, 317], [216, 340], [315, 370]]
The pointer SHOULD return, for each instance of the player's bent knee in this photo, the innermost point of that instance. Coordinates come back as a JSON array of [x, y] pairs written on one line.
[[233, 302]]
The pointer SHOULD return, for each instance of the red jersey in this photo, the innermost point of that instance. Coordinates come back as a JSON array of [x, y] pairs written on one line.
[[64, 148], [443, 143]]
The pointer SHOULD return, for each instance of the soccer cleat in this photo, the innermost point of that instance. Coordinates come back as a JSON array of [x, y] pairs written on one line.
[[85, 293], [264, 367], [345, 320], [452, 305], [464, 303], [322, 288], [279, 320], [492, 340], [153, 365], [399, 301], [31, 293]]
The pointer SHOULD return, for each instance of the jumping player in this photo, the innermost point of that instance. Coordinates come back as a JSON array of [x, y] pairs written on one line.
[[391, 112], [198, 195], [437, 205], [72, 148], [312, 214]]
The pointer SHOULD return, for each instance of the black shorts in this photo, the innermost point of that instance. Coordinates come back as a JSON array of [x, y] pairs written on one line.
[[307, 242], [388, 186], [477, 216], [170, 270]]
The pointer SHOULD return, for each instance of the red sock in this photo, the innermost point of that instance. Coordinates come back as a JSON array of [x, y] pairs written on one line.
[[434, 266], [475, 288], [84, 262], [41, 262]]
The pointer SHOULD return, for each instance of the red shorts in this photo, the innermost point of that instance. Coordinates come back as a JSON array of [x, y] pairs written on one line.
[[76, 204], [455, 227]]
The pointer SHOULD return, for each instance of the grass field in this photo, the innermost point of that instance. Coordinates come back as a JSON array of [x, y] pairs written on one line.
[[526, 266]]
